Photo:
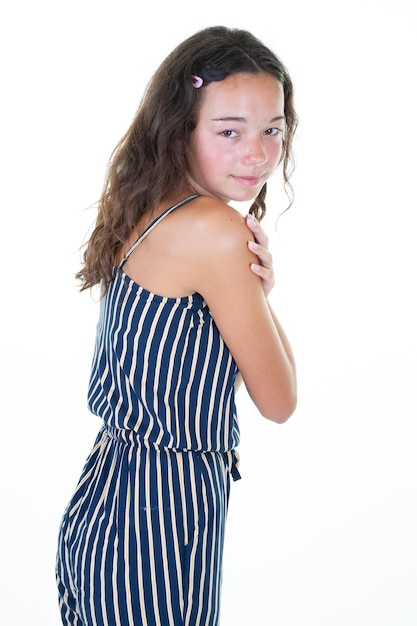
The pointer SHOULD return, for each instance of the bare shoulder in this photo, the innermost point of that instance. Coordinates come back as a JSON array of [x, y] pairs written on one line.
[[214, 226], [215, 243]]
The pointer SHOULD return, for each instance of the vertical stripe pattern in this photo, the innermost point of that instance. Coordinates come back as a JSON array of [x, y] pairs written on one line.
[[141, 540], [161, 368]]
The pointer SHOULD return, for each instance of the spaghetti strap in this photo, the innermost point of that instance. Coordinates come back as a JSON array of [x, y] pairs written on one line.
[[152, 225]]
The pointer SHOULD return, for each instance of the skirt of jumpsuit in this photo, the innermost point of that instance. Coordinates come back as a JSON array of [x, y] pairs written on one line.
[[141, 541]]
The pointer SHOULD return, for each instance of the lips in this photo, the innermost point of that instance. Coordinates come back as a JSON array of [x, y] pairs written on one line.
[[248, 181]]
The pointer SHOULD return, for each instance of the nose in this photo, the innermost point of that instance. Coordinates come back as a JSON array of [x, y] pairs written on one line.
[[255, 153]]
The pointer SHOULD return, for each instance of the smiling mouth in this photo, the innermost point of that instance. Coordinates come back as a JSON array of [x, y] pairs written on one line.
[[248, 181]]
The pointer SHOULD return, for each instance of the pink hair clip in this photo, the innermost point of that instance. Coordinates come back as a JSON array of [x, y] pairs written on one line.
[[197, 82]]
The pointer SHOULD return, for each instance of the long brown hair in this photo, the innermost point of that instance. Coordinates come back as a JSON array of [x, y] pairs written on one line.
[[150, 161]]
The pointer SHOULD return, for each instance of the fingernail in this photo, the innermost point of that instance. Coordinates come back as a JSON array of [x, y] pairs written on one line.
[[252, 245]]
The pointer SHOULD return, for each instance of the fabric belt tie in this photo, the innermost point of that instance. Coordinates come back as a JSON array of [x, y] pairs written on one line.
[[232, 461], [231, 457]]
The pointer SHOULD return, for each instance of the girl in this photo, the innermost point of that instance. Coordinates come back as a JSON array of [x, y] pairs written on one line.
[[184, 308]]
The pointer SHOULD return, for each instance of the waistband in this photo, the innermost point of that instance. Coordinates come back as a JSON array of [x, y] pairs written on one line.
[[130, 437]]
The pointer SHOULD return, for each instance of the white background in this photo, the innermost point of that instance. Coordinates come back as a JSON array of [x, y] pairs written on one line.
[[321, 529]]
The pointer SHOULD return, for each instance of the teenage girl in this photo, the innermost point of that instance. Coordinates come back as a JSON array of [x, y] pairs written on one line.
[[185, 315]]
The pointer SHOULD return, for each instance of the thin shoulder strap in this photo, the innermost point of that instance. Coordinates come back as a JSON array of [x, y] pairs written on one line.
[[152, 225]]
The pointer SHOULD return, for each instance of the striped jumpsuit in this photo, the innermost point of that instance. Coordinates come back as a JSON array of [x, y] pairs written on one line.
[[141, 541]]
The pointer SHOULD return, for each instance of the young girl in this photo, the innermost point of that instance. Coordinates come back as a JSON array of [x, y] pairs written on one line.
[[184, 314]]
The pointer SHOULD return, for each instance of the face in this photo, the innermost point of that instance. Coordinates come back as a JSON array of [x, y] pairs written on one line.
[[237, 142]]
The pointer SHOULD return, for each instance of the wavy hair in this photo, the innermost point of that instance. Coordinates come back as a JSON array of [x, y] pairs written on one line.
[[150, 161]]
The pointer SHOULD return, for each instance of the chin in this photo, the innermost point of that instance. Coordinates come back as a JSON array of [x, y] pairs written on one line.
[[245, 196]]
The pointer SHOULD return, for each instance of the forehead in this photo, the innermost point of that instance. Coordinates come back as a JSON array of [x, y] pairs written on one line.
[[244, 93]]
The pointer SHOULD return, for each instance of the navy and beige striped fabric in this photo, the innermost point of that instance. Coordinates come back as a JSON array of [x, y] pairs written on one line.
[[141, 541]]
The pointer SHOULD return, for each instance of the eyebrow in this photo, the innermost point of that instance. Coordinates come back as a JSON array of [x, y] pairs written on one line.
[[243, 119]]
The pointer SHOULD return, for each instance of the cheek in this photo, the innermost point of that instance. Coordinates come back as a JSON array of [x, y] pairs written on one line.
[[201, 152], [213, 157], [276, 154]]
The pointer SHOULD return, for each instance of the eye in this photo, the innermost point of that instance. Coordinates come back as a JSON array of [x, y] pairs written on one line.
[[273, 131], [229, 133]]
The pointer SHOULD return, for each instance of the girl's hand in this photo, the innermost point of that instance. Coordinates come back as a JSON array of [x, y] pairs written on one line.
[[264, 268]]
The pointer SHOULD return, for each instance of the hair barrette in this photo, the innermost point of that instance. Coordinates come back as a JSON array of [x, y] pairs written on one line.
[[197, 82]]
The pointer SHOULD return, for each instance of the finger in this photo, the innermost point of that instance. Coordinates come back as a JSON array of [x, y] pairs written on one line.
[[263, 272], [257, 230], [267, 277], [263, 255]]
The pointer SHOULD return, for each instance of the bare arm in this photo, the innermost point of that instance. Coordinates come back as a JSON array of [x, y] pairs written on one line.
[[238, 303]]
